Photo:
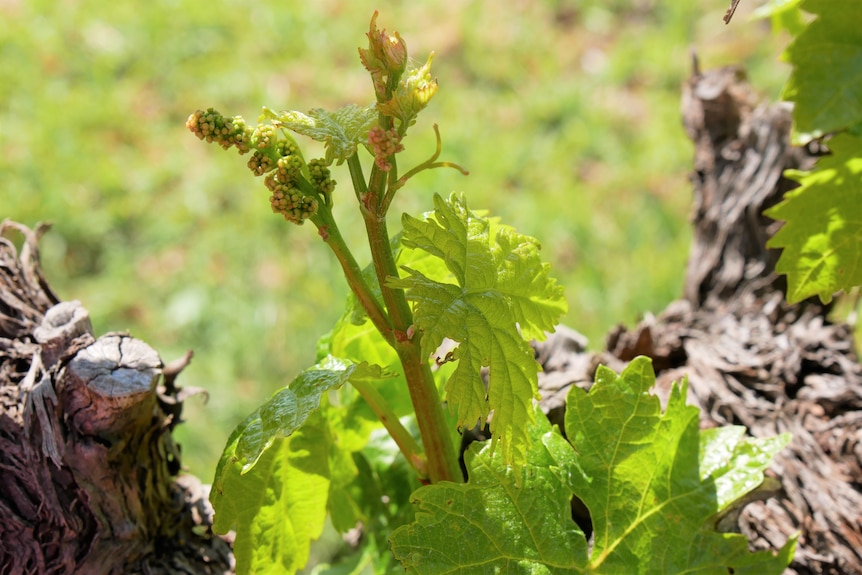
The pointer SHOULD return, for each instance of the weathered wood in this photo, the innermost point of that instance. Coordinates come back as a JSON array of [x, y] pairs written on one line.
[[751, 358], [90, 476]]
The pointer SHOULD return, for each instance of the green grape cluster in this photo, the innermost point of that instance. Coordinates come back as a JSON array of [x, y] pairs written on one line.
[[296, 188], [260, 163], [321, 177], [289, 167], [211, 126], [292, 204], [287, 197], [270, 150]]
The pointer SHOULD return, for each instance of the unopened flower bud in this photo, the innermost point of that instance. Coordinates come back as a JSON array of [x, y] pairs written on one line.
[[395, 54], [385, 58]]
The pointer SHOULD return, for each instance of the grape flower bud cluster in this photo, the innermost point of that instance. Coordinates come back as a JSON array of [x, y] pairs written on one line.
[[211, 126], [384, 144], [296, 188]]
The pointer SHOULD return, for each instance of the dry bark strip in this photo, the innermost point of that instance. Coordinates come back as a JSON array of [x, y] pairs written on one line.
[[751, 358], [90, 476]]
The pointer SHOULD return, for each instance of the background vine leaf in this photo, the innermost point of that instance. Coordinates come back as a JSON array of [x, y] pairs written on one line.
[[826, 82], [823, 225], [501, 286], [784, 15], [652, 481]]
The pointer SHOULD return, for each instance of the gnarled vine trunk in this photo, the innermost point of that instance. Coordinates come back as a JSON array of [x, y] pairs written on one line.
[[90, 476], [751, 358]]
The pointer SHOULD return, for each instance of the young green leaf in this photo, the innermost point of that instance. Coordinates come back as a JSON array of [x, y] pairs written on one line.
[[823, 225], [502, 294], [651, 481], [273, 479], [826, 82], [651, 490], [785, 15], [735, 465], [287, 410], [505, 520], [341, 131], [412, 95], [280, 506]]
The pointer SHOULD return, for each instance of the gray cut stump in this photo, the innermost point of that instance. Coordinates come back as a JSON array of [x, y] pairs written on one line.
[[751, 358], [90, 476]]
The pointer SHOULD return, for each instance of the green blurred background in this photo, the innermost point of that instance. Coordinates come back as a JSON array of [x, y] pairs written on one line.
[[566, 114]]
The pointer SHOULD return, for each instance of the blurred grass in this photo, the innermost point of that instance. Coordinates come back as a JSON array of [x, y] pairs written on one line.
[[565, 113]]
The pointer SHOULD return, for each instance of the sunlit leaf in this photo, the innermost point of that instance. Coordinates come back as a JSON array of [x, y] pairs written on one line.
[[649, 489], [278, 507], [822, 232], [340, 131], [273, 479], [826, 82], [651, 481], [501, 292], [505, 520]]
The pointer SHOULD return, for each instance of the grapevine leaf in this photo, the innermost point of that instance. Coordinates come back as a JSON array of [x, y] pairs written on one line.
[[501, 286], [273, 479], [826, 100], [771, 7], [734, 464], [651, 481], [785, 14], [287, 410], [357, 564], [278, 507], [505, 520], [823, 225], [340, 131]]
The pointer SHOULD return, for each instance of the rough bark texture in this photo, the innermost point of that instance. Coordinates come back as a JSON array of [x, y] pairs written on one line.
[[751, 358], [89, 474]]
